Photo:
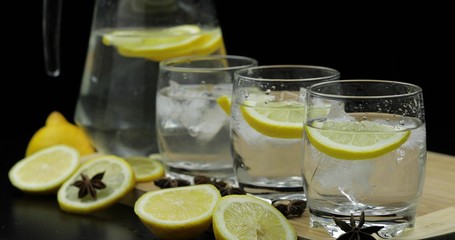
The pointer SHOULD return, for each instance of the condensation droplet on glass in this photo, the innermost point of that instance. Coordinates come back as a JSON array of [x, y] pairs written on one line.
[[273, 87], [402, 122], [268, 91], [400, 154]]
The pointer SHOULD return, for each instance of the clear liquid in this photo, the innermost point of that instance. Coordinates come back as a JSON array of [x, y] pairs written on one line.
[[116, 106], [386, 188], [265, 166], [193, 131]]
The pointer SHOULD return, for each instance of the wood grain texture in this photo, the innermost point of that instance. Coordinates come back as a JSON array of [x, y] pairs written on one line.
[[434, 213]]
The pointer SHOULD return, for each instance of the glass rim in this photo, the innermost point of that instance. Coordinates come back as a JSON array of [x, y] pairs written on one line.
[[167, 64], [335, 75], [414, 89]]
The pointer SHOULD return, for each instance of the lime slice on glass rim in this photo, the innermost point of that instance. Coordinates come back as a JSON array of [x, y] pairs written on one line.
[[355, 140]]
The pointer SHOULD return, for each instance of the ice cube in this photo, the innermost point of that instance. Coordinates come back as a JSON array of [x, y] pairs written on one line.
[[338, 114]]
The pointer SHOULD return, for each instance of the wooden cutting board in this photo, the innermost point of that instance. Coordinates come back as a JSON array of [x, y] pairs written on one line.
[[435, 213]]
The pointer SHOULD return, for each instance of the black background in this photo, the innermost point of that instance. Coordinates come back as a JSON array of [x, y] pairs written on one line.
[[377, 40], [367, 40]]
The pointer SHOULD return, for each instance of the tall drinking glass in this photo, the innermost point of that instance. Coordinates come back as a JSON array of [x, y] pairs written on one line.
[[193, 114], [266, 127], [364, 152]]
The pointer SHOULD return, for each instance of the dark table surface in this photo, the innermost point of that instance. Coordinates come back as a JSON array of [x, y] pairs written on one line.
[[24, 216]]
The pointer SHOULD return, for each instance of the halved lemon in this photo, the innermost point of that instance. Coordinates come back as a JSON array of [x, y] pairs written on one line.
[[58, 130], [45, 170], [247, 217], [118, 178], [275, 119], [162, 43], [225, 103], [355, 140], [178, 213], [145, 168]]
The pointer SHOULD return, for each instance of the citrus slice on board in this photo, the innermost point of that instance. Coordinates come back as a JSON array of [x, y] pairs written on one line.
[[118, 179], [275, 119], [247, 217], [58, 130], [161, 43], [355, 140], [45, 170], [225, 103], [146, 168], [178, 213]]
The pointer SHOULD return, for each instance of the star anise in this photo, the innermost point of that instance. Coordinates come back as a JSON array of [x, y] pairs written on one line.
[[206, 180], [290, 208], [89, 186], [228, 190], [356, 232], [166, 182]]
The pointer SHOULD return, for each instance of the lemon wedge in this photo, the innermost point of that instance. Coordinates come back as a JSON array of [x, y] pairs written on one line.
[[118, 178], [162, 43], [225, 103], [355, 140], [145, 168], [178, 213], [275, 119], [45, 170], [247, 217]]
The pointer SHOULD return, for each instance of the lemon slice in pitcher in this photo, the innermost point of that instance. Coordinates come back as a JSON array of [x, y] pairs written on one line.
[[161, 43], [355, 140]]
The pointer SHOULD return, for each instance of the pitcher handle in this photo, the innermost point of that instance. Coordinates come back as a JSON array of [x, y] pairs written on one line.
[[52, 11]]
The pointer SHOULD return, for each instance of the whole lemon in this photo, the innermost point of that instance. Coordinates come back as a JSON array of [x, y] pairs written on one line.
[[58, 130]]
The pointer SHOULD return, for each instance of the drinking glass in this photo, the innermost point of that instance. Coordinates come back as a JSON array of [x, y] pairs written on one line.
[[266, 127], [364, 152], [192, 127]]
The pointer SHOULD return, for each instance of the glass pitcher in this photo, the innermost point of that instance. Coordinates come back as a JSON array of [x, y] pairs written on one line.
[[116, 105]]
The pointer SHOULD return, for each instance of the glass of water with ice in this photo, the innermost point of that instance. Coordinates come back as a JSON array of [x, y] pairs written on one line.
[[192, 122], [266, 127], [364, 153]]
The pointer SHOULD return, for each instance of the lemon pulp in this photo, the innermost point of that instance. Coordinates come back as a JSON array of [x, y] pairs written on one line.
[[247, 217]]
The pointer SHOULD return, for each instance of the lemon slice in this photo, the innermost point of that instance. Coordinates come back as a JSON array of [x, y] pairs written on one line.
[[178, 213], [355, 140], [275, 119], [45, 170], [145, 168], [162, 43], [118, 178], [225, 103], [247, 217]]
